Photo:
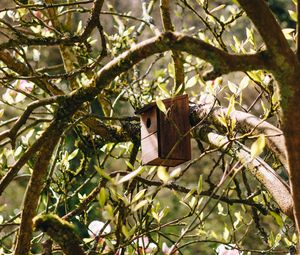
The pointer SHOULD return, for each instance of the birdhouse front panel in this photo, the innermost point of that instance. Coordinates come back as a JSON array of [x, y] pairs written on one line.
[[165, 138], [174, 129]]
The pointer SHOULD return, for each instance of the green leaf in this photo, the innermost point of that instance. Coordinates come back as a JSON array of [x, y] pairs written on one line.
[[244, 83], [140, 205], [1, 113], [231, 105], [161, 106], [129, 165], [102, 173], [171, 70], [293, 15], [200, 185], [178, 89], [131, 175], [226, 234], [277, 218], [108, 212], [191, 82], [139, 195], [222, 119], [125, 231], [73, 154], [102, 197], [164, 89], [190, 193], [163, 174], [258, 146]]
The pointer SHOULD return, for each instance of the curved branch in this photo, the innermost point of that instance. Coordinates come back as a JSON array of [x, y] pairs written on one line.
[[245, 123], [24, 117]]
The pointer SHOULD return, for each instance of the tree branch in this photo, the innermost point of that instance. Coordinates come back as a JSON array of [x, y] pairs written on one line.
[[258, 168], [20, 68], [35, 187], [298, 30], [61, 231], [245, 123], [222, 61], [176, 56], [269, 29]]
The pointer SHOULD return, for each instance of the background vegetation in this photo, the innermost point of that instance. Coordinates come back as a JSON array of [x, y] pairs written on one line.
[[73, 73]]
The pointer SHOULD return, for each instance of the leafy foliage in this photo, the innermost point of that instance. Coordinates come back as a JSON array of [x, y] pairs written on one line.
[[70, 141]]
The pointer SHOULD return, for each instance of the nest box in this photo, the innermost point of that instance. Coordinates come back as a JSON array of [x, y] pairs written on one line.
[[165, 138]]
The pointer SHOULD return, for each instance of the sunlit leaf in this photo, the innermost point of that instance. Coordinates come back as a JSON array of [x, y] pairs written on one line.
[[293, 15], [161, 106], [1, 113], [163, 88], [230, 108], [191, 82], [139, 195], [163, 174], [244, 83], [258, 146], [73, 154], [131, 175], [226, 234], [176, 172], [102, 197], [233, 87], [219, 7], [171, 70], [140, 205]]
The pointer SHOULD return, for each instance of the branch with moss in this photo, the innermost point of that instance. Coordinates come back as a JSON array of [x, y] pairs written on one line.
[[61, 231], [35, 186], [69, 104]]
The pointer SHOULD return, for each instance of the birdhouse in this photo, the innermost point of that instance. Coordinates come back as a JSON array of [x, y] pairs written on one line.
[[165, 137]]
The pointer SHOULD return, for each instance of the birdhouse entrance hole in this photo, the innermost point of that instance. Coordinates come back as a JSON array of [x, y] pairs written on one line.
[[148, 123]]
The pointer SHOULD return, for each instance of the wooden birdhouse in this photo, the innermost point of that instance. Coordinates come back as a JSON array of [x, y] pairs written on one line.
[[165, 138]]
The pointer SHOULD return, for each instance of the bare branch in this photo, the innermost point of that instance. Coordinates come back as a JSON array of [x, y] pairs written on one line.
[[23, 118], [20, 68]]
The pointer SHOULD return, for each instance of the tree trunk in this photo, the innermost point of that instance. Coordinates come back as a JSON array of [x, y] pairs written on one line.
[[292, 136]]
